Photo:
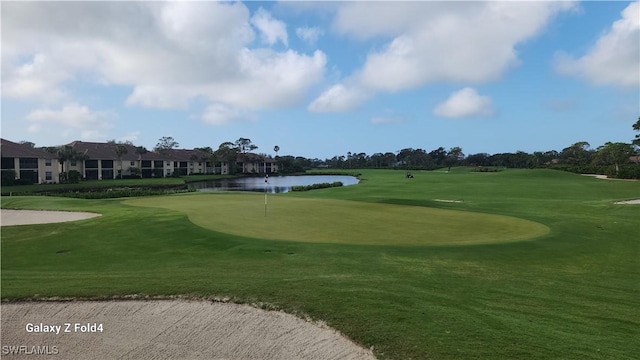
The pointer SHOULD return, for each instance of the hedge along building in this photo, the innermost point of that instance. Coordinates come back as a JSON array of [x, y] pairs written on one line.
[[31, 165]]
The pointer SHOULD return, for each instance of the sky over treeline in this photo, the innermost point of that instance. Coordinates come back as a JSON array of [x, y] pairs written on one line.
[[320, 79]]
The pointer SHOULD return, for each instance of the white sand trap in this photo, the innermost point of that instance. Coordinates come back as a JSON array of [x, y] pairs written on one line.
[[27, 217], [604, 177], [632, 202], [171, 329], [448, 201]]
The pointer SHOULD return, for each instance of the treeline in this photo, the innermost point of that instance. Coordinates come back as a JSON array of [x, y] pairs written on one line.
[[612, 159], [620, 160]]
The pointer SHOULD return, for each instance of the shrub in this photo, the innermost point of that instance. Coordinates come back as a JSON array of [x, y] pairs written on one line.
[[74, 177], [118, 193], [627, 171], [8, 177], [316, 186], [485, 169]]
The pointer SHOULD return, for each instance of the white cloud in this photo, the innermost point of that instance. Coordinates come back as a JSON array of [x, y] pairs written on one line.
[[220, 114], [71, 120], [614, 58], [465, 103], [473, 42], [338, 98], [272, 30], [170, 54], [309, 34], [37, 77]]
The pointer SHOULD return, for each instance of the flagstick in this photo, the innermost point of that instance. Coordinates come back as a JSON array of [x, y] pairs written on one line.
[[266, 181]]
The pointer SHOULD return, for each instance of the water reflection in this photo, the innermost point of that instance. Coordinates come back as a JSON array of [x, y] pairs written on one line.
[[273, 184]]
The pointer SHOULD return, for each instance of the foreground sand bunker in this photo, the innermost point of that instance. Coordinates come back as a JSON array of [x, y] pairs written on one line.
[[169, 329], [28, 217]]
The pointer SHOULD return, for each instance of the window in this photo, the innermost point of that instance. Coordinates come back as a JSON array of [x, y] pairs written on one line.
[[47, 162], [107, 174], [168, 163], [133, 163], [28, 163], [8, 163], [48, 175]]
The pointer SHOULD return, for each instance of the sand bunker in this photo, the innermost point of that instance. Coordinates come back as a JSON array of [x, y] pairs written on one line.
[[604, 177], [633, 202], [27, 217], [168, 329]]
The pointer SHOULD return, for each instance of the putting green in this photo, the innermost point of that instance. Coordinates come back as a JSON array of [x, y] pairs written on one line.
[[341, 221]]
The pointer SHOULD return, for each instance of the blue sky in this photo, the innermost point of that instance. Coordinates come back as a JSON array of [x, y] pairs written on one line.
[[320, 79]]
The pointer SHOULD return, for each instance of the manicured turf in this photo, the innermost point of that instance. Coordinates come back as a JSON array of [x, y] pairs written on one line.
[[571, 294], [347, 222]]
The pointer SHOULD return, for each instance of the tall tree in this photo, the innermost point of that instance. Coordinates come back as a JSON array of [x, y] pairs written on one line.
[[166, 143], [244, 146], [636, 127], [28, 143], [140, 150], [454, 156], [439, 155], [68, 153], [615, 154], [227, 152], [120, 151], [206, 155], [577, 154], [390, 158]]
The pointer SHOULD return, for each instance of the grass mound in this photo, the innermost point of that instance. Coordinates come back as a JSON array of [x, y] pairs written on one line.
[[347, 222]]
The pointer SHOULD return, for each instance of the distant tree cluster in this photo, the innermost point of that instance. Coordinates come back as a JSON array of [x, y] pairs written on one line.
[[613, 159]]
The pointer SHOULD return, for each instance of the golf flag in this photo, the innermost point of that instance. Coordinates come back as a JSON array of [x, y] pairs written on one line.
[[266, 181]]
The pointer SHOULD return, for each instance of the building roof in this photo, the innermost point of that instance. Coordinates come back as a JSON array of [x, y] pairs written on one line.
[[184, 155], [16, 150], [104, 151], [251, 157], [107, 151]]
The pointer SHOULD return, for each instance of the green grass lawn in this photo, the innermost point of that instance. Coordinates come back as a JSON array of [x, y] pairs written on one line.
[[571, 291], [345, 222]]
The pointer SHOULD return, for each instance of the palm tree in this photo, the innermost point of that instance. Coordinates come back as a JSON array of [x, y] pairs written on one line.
[[120, 151], [276, 149], [68, 153], [141, 150]]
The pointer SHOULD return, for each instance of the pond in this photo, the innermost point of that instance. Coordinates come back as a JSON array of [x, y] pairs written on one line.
[[275, 184]]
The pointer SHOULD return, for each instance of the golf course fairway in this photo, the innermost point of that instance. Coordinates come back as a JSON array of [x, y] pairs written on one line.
[[529, 264], [340, 221]]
